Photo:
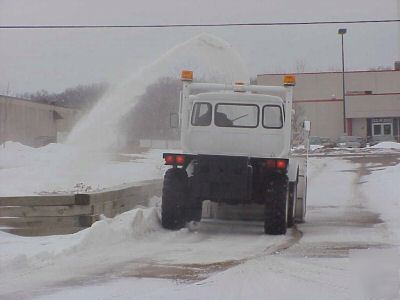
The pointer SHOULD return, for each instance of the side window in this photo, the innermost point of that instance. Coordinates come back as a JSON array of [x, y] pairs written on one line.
[[202, 113], [272, 116]]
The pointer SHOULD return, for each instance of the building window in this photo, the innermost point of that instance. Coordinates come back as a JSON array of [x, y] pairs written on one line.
[[382, 129], [387, 129], [377, 129]]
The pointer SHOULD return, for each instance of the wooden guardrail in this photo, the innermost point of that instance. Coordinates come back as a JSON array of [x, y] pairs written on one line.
[[63, 214]]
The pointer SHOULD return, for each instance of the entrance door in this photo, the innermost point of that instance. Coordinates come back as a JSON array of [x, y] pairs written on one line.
[[382, 129]]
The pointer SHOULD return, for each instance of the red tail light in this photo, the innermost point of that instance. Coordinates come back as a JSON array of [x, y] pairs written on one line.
[[270, 163], [281, 164], [175, 159], [180, 160], [169, 159]]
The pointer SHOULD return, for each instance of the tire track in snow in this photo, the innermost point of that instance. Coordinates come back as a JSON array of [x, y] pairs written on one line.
[[200, 271]]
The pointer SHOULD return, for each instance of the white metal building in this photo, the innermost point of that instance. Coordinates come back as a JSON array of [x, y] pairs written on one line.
[[33, 124]]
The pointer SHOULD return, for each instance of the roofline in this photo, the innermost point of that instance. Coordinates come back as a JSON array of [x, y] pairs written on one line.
[[52, 106], [327, 72]]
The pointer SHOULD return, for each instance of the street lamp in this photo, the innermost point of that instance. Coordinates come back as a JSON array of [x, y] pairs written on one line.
[[342, 32]]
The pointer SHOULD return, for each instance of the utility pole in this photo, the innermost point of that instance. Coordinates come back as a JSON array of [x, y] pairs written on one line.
[[342, 32]]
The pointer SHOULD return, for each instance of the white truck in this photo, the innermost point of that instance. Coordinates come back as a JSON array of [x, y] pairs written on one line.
[[236, 142]]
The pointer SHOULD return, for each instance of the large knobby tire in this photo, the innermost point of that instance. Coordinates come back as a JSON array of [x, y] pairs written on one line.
[[276, 205], [174, 195], [194, 209], [292, 204]]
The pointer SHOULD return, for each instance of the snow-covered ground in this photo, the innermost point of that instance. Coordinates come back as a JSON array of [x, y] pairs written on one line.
[[386, 145], [352, 230], [64, 168], [319, 150]]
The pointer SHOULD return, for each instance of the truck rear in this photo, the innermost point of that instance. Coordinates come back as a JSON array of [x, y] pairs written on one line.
[[236, 142]]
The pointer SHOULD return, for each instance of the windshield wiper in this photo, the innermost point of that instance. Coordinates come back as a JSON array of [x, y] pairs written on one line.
[[239, 117]]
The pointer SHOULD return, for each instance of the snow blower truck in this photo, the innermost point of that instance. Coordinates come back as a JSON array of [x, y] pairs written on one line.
[[236, 145]]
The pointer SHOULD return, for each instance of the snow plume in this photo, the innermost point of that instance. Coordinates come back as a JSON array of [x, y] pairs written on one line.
[[208, 56]]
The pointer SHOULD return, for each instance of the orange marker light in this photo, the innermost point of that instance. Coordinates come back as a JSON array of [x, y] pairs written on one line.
[[187, 75], [289, 80]]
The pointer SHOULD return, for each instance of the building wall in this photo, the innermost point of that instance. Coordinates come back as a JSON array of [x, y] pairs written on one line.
[[369, 94], [326, 120], [373, 106], [359, 127], [31, 123]]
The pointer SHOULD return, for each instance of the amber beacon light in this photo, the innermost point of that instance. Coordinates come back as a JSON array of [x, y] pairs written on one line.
[[187, 75], [289, 80]]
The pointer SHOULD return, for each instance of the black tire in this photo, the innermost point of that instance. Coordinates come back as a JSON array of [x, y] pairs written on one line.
[[174, 195], [291, 204], [194, 210], [276, 205], [194, 205]]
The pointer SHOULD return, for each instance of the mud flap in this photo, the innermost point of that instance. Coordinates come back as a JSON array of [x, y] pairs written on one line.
[[301, 201]]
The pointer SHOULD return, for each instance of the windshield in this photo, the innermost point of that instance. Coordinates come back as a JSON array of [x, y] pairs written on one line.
[[236, 115]]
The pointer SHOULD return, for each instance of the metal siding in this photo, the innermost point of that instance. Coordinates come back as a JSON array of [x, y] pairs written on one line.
[[316, 90]]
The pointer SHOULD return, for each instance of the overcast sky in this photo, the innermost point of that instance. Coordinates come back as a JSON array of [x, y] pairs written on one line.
[[53, 59]]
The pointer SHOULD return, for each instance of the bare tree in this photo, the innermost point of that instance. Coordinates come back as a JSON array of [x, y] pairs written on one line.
[[81, 97], [151, 116]]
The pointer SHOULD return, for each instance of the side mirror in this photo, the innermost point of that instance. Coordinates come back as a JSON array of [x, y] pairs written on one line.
[[307, 126], [173, 120]]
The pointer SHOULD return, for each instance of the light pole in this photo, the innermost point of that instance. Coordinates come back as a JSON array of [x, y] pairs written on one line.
[[342, 32]]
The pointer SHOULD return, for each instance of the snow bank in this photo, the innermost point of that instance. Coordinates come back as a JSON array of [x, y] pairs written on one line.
[[386, 145], [21, 252], [128, 226], [315, 147], [15, 146], [63, 168]]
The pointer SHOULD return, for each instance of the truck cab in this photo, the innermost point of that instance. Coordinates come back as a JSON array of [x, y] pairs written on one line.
[[236, 142], [237, 123]]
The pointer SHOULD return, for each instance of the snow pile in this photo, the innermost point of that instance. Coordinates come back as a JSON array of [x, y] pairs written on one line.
[[315, 147], [125, 227], [386, 145], [15, 146], [63, 168], [26, 252]]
